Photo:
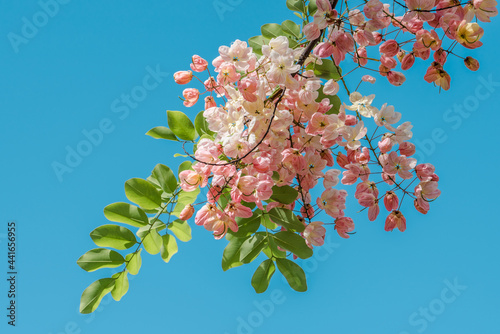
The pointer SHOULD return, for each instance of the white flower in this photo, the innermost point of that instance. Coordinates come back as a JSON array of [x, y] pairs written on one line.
[[387, 116], [362, 104]]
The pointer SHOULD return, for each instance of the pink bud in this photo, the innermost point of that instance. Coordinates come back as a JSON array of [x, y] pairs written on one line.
[[407, 61], [209, 102], [187, 212], [395, 219], [368, 78], [471, 63], [350, 120], [419, 208], [199, 64], [378, 37], [183, 77], [389, 48], [396, 78], [440, 56], [391, 201], [385, 145], [191, 96], [406, 148]]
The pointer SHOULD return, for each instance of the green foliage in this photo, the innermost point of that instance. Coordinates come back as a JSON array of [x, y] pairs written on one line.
[[151, 240], [271, 30], [231, 254], [134, 262], [287, 219], [162, 132], [181, 230], [114, 236], [201, 125], [293, 273], [247, 226], [126, 213], [143, 193], [98, 258], [181, 125], [327, 70], [185, 166], [291, 28], [284, 194], [92, 296], [252, 247], [296, 5], [262, 276], [121, 285], [168, 247], [165, 177], [312, 7], [293, 243]]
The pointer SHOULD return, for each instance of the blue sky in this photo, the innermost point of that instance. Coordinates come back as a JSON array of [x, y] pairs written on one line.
[[73, 75]]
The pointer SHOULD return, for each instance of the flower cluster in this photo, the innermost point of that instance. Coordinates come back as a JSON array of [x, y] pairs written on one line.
[[272, 132], [424, 27]]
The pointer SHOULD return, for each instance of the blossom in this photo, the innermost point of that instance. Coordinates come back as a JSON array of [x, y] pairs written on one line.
[[314, 233], [187, 212], [469, 34], [362, 104], [399, 165], [395, 220], [198, 64], [343, 226], [386, 116]]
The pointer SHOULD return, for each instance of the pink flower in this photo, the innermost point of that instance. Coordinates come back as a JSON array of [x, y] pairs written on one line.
[[436, 74], [395, 219], [333, 202], [183, 77], [391, 201], [368, 78], [199, 64], [415, 6], [187, 212], [190, 180], [399, 165], [343, 226], [191, 96], [331, 87], [314, 234], [396, 78]]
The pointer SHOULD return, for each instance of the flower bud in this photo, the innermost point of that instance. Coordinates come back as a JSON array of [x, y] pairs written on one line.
[[187, 212], [199, 64], [183, 77], [471, 63]]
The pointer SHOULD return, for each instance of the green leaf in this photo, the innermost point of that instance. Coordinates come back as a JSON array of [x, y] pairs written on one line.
[[334, 101], [181, 125], [168, 247], [271, 30], [121, 285], [162, 132], [143, 193], [291, 28], [113, 236], [312, 7], [247, 226], [134, 262], [293, 273], [297, 5], [165, 177], [262, 276], [185, 166], [272, 249], [252, 247], [293, 243], [287, 219], [201, 125], [126, 213], [93, 294], [284, 194], [151, 241], [256, 42], [185, 198], [98, 258], [327, 70], [267, 223], [231, 254], [181, 229], [155, 224]]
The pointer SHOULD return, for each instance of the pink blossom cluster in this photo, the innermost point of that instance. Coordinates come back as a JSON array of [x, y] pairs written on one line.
[[425, 27], [271, 132]]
